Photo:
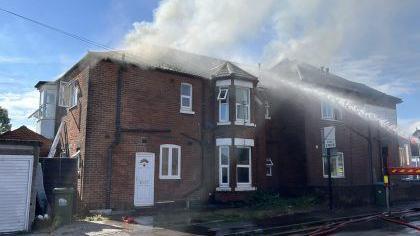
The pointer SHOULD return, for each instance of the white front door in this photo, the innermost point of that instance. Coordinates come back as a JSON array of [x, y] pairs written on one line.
[[145, 176]]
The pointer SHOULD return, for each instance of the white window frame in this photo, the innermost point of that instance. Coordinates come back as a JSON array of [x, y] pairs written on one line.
[[170, 147], [269, 167], [332, 114], [219, 96], [221, 166], [248, 119], [186, 109], [267, 110], [226, 100], [249, 166], [74, 95], [339, 155]]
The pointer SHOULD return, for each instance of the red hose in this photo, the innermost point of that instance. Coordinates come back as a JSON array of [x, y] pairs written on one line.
[[401, 223]]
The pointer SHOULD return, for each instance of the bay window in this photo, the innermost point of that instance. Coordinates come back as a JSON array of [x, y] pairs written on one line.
[[170, 162]]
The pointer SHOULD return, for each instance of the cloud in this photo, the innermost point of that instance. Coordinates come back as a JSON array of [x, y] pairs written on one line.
[[20, 106], [202, 26]]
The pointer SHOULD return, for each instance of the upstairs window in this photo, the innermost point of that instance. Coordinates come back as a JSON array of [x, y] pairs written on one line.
[[223, 99], [186, 97], [329, 112], [267, 110], [68, 94], [242, 104], [170, 162]]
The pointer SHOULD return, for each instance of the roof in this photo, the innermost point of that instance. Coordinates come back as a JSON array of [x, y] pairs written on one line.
[[24, 134], [312, 74], [40, 83], [230, 69], [168, 59]]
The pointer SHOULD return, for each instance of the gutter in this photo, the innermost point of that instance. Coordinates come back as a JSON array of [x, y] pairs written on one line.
[[117, 137]]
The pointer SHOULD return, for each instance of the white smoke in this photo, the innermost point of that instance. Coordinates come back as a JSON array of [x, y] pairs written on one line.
[[214, 28]]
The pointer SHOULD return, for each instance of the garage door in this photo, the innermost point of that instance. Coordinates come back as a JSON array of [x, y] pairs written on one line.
[[15, 192]]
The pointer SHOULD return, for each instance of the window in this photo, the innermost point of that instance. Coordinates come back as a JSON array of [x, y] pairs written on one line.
[[337, 164], [223, 105], [243, 166], [223, 92], [186, 97], [224, 166], [337, 159], [267, 110], [170, 162], [242, 104], [329, 112], [268, 167], [68, 94]]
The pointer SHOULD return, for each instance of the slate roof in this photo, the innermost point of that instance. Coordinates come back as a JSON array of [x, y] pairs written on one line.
[[24, 134], [314, 75], [230, 69], [207, 67]]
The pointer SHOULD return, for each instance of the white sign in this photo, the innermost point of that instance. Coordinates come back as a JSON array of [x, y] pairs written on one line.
[[329, 137]]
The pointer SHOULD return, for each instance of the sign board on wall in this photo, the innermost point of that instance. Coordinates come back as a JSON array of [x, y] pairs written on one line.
[[329, 137]]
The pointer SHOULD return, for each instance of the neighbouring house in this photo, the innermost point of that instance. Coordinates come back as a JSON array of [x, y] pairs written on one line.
[[179, 127], [24, 134], [299, 139]]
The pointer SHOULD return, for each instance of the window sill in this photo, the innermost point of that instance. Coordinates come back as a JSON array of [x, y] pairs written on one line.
[[223, 189], [224, 123], [245, 188], [330, 119], [187, 112], [246, 123], [72, 107], [169, 177], [334, 177]]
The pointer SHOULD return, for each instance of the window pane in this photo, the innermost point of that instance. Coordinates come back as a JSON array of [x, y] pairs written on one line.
[[175, 161], [242, 96], [225, 175], [165, 160], [185, 90], [224, 155], [185, 101], [224, 111], [243, 156], [243, 174], [241, 112]]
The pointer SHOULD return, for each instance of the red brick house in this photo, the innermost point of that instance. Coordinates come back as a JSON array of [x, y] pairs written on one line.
[[189, 128]]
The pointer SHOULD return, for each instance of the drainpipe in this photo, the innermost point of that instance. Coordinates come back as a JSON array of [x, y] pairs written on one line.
[[117, 136]]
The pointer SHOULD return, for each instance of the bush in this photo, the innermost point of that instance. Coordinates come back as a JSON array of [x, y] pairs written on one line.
[[261, 199]]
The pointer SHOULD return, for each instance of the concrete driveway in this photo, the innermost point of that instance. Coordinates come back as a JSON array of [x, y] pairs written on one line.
[[108, 227]]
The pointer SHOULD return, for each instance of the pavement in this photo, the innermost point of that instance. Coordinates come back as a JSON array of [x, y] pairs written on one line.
[[183, 225]]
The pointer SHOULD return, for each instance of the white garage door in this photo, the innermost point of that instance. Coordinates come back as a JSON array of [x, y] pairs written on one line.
[[15, 192]]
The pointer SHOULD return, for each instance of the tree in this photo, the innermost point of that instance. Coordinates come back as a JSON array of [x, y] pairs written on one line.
[[4, 120]]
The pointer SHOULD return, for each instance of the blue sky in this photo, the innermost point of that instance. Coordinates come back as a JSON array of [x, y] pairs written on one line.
[[374, 43]]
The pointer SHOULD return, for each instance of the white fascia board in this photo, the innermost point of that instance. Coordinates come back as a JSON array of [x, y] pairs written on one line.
[[244, 142], [225, 82], [223, 142], [242, 83]]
